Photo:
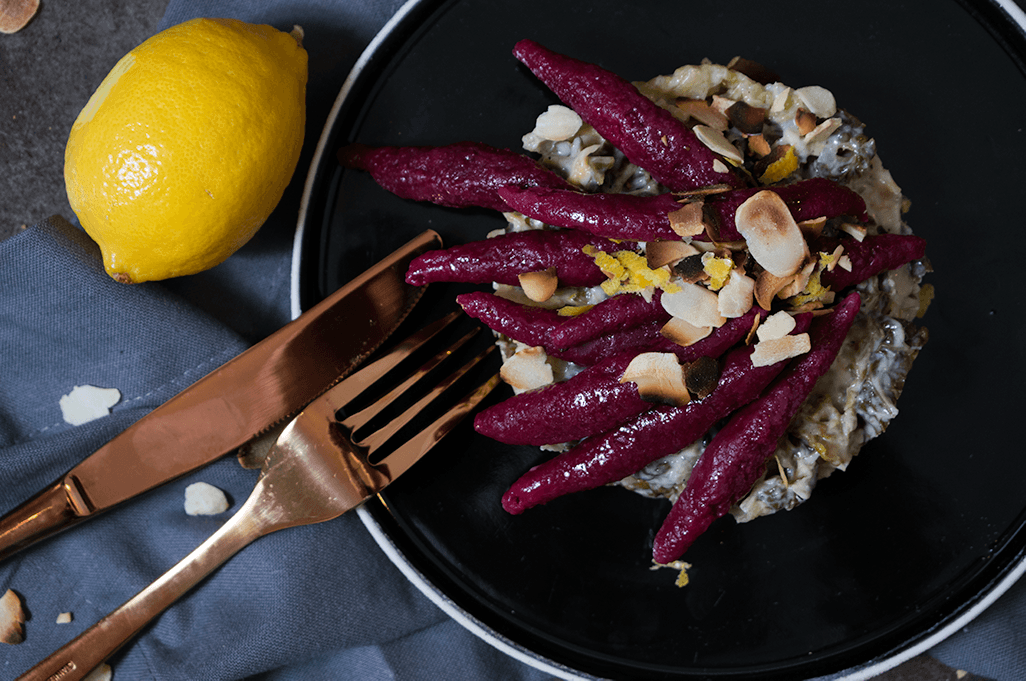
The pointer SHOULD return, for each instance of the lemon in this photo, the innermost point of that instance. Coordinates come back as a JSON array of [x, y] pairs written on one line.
[[187, 146]]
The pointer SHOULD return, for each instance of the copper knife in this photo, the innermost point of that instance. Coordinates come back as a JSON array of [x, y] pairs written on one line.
[[243, 399]]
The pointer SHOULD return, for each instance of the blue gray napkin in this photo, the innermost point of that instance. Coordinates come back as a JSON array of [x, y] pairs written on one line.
[[320, 602]]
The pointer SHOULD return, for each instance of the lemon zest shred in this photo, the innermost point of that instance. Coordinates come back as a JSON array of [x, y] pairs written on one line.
[[781, 168], [573, 310]]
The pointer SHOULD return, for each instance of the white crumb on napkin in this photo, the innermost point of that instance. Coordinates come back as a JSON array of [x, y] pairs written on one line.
[[64, 618], [101, 673], [87, 403], [204, 499]]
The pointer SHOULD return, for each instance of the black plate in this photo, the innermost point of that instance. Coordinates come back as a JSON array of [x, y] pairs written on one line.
[[930, 517]]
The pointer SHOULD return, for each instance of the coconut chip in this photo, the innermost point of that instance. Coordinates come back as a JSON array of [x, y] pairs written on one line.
[[701, 111], [856, 231], [767, 286], [818, 100], [539, 286], [778, 349], [822, 131], [15, 14], [558, 123], [12, 619], [776, 326], [805, 121], [682, 333], [659, 378], [694, 304], [717, 142], [773, 237], [812, 228], [701, 377], [736, 296], [526, 369], [660, 253], [688, 220], [758, 145]]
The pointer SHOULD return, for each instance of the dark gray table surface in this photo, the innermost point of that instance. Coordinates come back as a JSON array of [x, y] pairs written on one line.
[[49, 69]]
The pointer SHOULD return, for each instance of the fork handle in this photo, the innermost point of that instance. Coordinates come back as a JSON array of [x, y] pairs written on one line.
[[86, 652]]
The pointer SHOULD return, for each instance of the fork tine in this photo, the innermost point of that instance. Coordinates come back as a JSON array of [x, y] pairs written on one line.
[[356, 383], [379, 437], [414, 448], [362, 417]]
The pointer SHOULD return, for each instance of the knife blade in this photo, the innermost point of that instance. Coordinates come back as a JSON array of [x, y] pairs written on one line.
[[237, 402]]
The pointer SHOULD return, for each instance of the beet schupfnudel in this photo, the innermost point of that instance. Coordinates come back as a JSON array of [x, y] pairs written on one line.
[[736, 457], [593, 400], [505, 257], [646, 133], [646, 437], [461, 175]]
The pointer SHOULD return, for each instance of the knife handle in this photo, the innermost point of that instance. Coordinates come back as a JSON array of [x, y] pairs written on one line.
[[47, 513]]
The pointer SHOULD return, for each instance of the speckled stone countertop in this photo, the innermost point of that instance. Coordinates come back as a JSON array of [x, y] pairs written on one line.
[[48, 70]]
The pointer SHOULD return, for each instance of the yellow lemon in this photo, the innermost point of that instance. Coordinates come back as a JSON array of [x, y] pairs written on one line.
[[187, 145]]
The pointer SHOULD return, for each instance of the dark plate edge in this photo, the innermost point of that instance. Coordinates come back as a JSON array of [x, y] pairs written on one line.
[[1005, 20]]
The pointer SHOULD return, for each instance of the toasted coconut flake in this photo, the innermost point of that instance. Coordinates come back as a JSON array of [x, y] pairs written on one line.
[[782, 472], [539, 286], [767, 286], [694, 304], [780, 101], [721, 103], [776, 326], [691, 269], [659, 378], [717, 142], [812, 228], [747, 118], [805, 120], [659, 253], [844, 262], [822, 131], [758, 145], [800, 279], [756, 323], [857, 231], [12, 618], [15, 14], [527, 369], [753, 69], [558, 123], [682, 333], [688, 220], [818, 100], [701, 111], [737, 295], [701, 377], [778, 349], [720, 167], [773, 237], [704, 191], [832, 259]]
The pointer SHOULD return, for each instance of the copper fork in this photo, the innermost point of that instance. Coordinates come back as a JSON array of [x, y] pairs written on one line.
[[315, 471]]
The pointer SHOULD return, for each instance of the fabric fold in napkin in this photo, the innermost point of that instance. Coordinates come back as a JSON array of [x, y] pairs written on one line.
[[318, 602]]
